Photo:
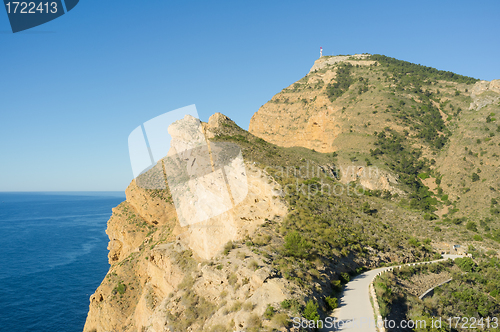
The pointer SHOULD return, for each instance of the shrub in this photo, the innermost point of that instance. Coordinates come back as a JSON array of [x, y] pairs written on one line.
[[232, 279], [475, 177], [311, 311], [343, 82], [423, 176], [466, 264], [280, 320], [228, 247], [269, 313], [241, 255], [253, 265], [336, 285], [331, 302], [295, 245], [471, 226], [286, 304], [345, 277], [437, 256], [478, 237], [248, 306], [120, 288], [366, 207], [218, 328], [254, 322], [236, 306], [413, 242]]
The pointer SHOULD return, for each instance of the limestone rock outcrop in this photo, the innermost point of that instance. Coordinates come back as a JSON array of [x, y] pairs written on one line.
[[485, 93], [161, 269]]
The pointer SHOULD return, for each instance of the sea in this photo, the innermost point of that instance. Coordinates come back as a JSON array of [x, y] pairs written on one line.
[[53, 256]]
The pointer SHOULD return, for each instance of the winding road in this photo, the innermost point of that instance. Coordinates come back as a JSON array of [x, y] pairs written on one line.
[[355, 311]]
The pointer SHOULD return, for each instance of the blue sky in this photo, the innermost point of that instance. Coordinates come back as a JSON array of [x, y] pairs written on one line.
[[72, 90]]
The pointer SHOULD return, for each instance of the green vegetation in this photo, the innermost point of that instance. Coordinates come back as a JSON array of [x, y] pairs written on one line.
[[120, 288], [228, 247], [472, 293], [343, 82], [311, 311], [332, 302], [408, 164], [412, 74], [269, 313]]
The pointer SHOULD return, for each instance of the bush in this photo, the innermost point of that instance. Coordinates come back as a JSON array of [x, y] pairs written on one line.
[[311, 311], [286, 304], [413, 242], [120, 288], [331, 302], [254, 322], [280, 320], [228, 247], [236, 306], [296, 246], [336, 285], [366, 207], [232, 279], [478, 237], [253, 265], [269, 313], [218, 328], [343, 82], [475, 177], [466, 264], [423, 176], [345, 277], [471, 226]]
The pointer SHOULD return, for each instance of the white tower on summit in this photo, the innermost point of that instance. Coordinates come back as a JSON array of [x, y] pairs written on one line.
[[320, 52]]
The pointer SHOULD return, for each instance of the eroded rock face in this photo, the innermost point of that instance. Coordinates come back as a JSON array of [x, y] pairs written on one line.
[[330, 60], [318, 130], [371, 178], [484, 93], [302, 114], [159, 265]]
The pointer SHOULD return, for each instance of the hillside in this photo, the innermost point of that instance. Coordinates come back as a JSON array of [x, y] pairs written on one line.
[[359, 173], [431, 129]]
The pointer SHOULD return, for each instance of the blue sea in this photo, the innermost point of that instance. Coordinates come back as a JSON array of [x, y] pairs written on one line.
[[53, 256]]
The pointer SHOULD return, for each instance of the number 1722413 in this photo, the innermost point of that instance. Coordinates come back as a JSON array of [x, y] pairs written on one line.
[[31, 7], [473, 323]]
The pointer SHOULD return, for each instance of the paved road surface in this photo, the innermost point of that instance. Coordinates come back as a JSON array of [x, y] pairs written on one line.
[[355, 312]]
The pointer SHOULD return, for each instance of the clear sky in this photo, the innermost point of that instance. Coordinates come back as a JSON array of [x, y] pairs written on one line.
[[72, 90]]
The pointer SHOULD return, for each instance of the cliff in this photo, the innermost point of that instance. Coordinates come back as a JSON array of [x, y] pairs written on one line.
[[157, 266]]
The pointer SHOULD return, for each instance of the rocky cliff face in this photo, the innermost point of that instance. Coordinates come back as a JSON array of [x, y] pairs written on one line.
[[160, 269], [485, 93]]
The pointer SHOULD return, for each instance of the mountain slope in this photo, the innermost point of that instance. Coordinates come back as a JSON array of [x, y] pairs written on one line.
[[405, 118], [372, 181]]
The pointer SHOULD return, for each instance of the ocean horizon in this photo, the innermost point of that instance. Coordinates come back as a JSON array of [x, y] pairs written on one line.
[[54, 256]]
